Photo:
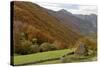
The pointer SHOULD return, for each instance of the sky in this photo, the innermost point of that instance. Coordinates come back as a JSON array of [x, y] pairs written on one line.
[[73, 8]]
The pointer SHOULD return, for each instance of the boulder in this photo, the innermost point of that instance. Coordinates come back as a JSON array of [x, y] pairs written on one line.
[[81, 50]]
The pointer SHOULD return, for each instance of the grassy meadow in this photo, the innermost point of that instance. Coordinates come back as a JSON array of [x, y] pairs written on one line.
[[50, 57], [22, 59]]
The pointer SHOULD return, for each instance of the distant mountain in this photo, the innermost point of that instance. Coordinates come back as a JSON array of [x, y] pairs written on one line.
[[75, 22], [64, 11], [92, 18], [36, 22]]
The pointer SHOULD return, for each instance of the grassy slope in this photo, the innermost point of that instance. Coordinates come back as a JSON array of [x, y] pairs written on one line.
[[40, 56]]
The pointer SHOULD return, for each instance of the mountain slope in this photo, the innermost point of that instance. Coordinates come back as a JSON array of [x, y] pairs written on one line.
[[38, 23], [92, 18], [83, 26]]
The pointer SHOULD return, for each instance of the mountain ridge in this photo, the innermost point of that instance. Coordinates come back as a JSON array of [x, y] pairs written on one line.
[[80, 25]]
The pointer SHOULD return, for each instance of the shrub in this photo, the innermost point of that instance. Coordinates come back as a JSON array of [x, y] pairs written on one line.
[[35, 48], [46, 47], [24, 47], [23, 36], [34, 40]]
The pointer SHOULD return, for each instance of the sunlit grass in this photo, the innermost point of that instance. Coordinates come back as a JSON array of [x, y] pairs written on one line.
[[40, 56]]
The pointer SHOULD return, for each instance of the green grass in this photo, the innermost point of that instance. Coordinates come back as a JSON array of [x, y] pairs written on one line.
[[39, 56], [24, 59]]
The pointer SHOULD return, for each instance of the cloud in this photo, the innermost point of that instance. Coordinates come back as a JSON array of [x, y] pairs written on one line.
[[89, 9], [60, 5], [73, 8], [69, 6]]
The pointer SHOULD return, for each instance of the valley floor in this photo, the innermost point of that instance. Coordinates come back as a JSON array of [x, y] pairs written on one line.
[[51, 57]]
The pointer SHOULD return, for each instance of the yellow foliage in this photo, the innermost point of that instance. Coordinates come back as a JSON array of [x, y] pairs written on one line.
[[89, 42]]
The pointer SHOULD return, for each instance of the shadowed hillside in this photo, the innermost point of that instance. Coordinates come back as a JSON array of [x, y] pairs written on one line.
[[37, 23], [92, 18], [85, 26]]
